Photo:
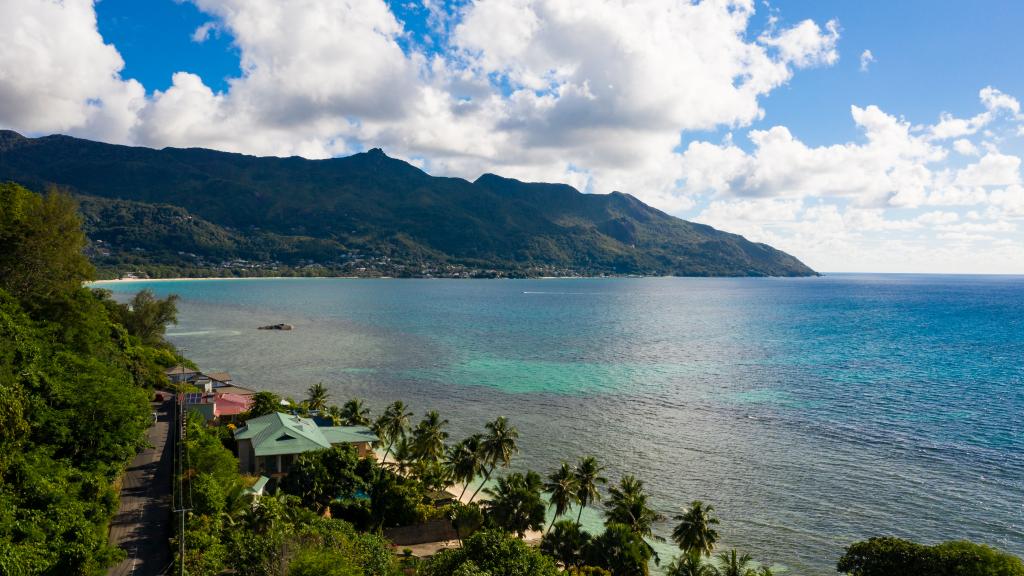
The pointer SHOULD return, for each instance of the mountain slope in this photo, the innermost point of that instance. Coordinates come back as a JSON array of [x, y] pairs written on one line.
[[316, 210]]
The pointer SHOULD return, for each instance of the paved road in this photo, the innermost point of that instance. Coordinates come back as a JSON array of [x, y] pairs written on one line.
[[142, 524]]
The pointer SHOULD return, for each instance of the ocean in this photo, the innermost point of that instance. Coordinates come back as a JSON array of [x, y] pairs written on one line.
[[811, 412]]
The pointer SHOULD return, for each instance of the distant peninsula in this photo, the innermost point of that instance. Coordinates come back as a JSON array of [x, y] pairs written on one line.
[[203, 213]]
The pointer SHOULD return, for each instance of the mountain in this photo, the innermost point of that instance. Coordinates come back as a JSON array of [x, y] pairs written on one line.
[[197, 207]]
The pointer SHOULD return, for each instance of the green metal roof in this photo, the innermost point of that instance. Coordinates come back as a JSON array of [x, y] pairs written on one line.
[[280, 433], [348, 434]]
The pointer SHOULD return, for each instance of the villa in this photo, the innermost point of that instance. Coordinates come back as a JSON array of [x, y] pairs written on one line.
[[267, 445], [217, 405]]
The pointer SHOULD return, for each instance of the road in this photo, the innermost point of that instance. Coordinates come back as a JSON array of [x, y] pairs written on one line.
[[142, 525]]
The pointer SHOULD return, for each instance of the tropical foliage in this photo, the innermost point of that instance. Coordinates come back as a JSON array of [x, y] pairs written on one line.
[[491, 552], [515, 504], [74, 390], [882, 556]]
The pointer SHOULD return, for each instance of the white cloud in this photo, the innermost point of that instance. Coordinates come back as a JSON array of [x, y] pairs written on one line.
[[58, 75], [595, 94], [866, 59], [995, 103], [993, 169], [890, 166], [965, 147], [806, 44], [203, 32]]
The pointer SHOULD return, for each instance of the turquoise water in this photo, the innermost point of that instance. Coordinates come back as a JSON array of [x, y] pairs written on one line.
[[811, 412]]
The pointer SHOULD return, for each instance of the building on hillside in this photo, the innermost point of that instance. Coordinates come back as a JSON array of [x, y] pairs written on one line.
[[267, 445], [205, 381], [180, 373], [217, 405]]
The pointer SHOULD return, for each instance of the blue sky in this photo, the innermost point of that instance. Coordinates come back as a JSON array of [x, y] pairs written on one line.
[[759, 118]]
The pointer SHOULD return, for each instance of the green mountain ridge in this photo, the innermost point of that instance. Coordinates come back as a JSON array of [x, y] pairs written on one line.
[[201, 207]]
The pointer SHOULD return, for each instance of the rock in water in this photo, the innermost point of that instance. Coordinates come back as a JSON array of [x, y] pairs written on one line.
[[276, 327]]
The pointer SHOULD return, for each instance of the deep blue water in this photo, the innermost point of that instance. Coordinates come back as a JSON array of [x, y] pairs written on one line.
[[811, 412]]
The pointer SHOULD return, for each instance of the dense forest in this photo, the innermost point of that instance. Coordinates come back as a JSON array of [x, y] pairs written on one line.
[[362, 215], [76, 374]]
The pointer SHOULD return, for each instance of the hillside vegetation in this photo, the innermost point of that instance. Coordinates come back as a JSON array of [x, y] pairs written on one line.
[[196, 206], [74, 389]]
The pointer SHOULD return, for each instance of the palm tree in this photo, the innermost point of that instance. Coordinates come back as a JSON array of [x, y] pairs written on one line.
[[393, 425], [562, 485], [428, 438], [627, 504], [730, 564], [317, 397], [695, 531], [334, 413], [620, 551], [588, 478], [515, 504], [567, 544], [498, 445], [463, 461], [404, 455], [354, 413], [690, 564]]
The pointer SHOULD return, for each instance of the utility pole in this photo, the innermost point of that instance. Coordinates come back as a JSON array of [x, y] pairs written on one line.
[[179, 424], [180, 438]]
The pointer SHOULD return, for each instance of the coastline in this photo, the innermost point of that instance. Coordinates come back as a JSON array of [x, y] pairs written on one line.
[[187, 278]]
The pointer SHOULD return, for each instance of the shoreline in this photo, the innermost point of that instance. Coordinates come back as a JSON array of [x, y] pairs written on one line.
[[215, 278]]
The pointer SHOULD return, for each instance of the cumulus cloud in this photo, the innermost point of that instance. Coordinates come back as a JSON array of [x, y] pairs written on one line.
[[871, 200], [995, 103], [58, 75], [888, 167], [965, 147], [597, 95]]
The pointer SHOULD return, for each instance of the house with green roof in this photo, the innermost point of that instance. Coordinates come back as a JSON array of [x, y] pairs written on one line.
[[268, 444]]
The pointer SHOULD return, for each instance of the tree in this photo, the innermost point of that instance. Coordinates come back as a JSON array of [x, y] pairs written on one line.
[[588, 478], [317, 397], [316, 561], [515, 504], [146, 316], [566, 543], [690, 564], [429, 436], [41, 243], [392, 425], [463, 461], [889, 555], [563, 487], [354, 413], [320, 477], [498, 445], [732, 564], [627, 504], [264, 403], [695, 530], [490, 552], [395, 500], [404, 457], [619, 550], [466, 519], [964, 558]]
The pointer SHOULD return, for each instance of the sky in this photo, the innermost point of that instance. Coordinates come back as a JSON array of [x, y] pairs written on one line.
[[871, 136]]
